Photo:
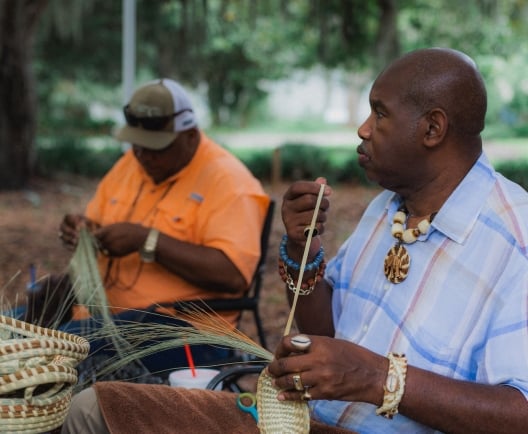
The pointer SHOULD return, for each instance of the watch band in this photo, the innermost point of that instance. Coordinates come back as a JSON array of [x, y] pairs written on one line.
[[148, 251]]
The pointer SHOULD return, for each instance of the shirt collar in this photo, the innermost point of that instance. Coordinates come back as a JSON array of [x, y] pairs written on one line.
[[459, 213]]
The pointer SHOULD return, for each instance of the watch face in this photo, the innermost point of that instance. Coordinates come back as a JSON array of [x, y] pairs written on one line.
[[148, 251]]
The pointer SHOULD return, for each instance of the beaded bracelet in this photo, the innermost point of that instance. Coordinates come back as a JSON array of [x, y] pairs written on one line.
[[295, 265], [306, 287]]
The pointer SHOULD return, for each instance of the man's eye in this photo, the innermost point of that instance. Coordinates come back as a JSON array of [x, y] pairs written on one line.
[[378, 114]]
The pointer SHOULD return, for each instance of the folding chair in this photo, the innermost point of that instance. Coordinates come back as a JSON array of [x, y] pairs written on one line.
[[250, 300]]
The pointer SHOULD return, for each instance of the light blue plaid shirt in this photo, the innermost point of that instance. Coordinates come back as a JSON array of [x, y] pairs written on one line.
[[462, 312]]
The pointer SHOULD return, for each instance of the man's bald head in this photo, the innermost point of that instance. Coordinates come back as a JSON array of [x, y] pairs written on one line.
[[443, 78]]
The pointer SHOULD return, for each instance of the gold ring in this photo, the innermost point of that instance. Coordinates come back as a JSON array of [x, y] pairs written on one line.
[[306, 231], [297, 383], [105, 252]]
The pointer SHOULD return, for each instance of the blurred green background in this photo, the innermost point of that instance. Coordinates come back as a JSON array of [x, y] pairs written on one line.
[[262, 74]]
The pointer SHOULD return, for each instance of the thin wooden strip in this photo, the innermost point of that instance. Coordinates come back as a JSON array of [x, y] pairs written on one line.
[[303, 262]]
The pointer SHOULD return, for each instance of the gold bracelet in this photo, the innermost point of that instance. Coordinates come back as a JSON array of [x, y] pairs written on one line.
[[394, 385]]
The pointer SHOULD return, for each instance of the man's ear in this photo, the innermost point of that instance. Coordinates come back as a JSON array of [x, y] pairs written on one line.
[[436, 123]]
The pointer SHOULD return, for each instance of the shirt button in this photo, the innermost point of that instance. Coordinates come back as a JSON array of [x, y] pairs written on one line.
[[387, 286], [365, 328]]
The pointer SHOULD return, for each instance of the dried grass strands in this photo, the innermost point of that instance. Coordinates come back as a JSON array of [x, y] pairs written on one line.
[[84, 274], [89, 289], [209, 328]]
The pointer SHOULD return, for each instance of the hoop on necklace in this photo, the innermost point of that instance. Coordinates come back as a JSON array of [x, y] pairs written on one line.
[[397, 261]]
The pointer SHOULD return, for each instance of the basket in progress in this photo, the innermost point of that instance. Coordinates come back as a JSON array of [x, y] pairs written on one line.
[[284, 417]]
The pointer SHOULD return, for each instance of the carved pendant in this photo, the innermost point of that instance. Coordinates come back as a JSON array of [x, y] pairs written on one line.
[[397, 263]]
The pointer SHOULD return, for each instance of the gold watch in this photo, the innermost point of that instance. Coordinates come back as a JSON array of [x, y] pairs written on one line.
[[148, 251]]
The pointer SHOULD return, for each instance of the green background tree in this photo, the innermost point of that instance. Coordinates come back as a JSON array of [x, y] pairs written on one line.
[[233, 46]]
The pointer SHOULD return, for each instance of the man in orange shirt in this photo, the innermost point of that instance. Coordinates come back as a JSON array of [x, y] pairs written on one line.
[[176, 218]]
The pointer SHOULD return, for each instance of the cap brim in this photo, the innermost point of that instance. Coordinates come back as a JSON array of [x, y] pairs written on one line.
[[155, 140]]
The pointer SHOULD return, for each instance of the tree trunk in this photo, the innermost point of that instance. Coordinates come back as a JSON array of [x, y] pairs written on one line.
[[18, 21], [387, 39]]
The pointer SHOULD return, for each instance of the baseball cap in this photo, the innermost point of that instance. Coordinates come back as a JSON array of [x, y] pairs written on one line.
[[156, 113]]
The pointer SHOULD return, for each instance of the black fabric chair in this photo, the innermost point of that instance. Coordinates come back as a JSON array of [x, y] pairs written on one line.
[[250, 301]]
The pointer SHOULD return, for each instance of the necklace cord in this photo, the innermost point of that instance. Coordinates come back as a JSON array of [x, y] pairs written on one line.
[[116, 264]]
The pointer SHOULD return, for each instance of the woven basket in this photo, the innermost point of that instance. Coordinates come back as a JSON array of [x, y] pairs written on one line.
[[37, 375], [284, 417]]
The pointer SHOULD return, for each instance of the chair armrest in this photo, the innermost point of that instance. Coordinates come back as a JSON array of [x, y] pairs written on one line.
[[218, 304]]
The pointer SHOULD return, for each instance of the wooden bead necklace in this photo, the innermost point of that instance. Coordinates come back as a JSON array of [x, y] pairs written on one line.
[[397, 260]]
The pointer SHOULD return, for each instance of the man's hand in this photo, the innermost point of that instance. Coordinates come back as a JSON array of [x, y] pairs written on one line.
[[121, 239], [298, 206], [70, 226], [330, 369]]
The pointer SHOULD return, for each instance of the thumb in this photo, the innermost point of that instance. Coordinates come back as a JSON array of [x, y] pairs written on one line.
[[322, 180]]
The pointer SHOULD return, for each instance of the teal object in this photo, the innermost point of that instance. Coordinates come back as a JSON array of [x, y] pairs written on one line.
[[252, 407]]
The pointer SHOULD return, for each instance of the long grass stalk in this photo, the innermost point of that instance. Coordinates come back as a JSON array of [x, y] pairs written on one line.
[[208, 328], [89, 288]]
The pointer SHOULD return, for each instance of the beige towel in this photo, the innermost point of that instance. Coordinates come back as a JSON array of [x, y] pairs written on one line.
[[147, 409]]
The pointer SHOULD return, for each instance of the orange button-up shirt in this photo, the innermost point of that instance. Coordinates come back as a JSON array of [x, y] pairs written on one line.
[[214, 201]]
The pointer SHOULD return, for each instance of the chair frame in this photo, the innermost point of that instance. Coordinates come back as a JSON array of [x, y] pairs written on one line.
[[250, 300], [229, 377]]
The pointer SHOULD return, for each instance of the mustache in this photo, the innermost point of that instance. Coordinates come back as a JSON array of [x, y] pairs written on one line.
[[361, 148]]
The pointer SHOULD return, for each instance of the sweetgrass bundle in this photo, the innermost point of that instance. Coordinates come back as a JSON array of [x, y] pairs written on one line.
[[89, 289]]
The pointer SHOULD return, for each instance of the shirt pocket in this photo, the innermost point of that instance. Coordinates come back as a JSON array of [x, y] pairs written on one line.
[[180, 220]]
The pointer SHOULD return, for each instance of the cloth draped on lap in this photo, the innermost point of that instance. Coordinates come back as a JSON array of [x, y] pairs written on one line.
[[171, 410]]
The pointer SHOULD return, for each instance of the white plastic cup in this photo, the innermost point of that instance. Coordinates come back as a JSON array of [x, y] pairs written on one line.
[[184, 378]]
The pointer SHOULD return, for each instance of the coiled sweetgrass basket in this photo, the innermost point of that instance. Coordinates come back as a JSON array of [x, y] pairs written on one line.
[[37, 375]]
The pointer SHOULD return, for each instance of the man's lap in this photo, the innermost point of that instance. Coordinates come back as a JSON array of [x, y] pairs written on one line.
[[165, 409]]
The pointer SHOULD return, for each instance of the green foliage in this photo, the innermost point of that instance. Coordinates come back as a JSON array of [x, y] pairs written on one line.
[[74, 156], [305, 161], [80, 40], [473, 27], [298, 161], [516, 170], [236, 47], [259, 162], [494, 34], [233, 46]]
